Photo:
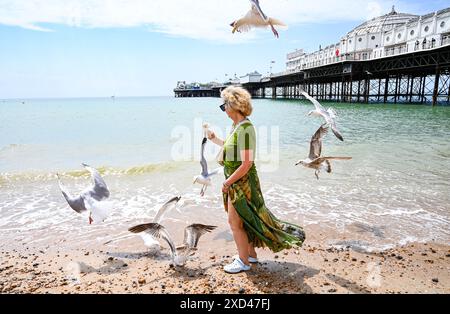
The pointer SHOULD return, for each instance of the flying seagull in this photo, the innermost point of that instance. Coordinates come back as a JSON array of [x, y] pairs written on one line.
[[329, 115], [314, 161], [91, 199], [255, 18], [148, 239], [205, 177], [192, 234]]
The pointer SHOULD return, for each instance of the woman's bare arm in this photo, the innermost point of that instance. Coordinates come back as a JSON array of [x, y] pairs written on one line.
[[213, 138], [218, 141]]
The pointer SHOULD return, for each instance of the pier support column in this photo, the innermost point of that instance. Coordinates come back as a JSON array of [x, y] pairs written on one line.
[[366, 90], [330, 96], [379, 90], [406, 95], [359, 91], [338, 91], [411, 89], [386, 89], [436, 85], [351, 89], [422, 91], [396, 88], [448, 97]]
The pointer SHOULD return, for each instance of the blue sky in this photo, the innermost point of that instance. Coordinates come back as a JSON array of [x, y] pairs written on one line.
[[95, 48]]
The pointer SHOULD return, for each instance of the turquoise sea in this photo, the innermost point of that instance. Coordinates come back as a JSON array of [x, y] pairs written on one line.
[[395, 190]]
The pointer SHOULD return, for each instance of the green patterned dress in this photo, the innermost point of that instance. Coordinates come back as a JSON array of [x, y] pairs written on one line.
[[262, 227]]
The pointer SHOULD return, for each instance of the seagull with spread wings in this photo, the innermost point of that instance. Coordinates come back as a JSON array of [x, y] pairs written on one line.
[[148, 239], [329, 114], [90, 200], [255, 18], [180, 254], [314, 160]]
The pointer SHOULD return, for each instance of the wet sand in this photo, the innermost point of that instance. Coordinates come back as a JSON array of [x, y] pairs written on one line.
[[128, 267]]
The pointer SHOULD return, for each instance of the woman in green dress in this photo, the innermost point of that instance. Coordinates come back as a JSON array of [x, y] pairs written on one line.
[[251, 222]]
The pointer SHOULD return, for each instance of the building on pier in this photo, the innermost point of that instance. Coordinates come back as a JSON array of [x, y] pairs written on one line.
[[387, 35], [253, 77], [213, 89]]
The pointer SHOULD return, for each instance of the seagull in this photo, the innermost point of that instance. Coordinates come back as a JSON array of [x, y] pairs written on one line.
[[148, 239], [91, 198], [329, 115], [180, 254], [314, 161], [255, 18], [205, 177]]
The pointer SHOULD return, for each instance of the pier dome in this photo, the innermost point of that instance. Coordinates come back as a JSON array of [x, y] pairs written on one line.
[[382, 23]]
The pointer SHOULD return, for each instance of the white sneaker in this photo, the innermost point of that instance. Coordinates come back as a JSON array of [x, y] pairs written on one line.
[[252, 260], [236, 266]]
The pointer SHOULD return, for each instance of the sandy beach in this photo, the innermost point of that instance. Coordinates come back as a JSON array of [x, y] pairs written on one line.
[[315, 268]]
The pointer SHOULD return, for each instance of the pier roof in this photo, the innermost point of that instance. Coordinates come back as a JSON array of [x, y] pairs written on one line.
[[382, 23]]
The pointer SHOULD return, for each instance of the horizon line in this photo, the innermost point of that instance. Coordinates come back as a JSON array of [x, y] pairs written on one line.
[[80, 97]]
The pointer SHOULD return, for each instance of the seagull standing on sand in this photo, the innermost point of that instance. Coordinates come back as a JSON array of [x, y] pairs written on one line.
[[329, 115], [192, 234], [91, 198], [205, 177], [314, 161], [255, 18], [148, 239]]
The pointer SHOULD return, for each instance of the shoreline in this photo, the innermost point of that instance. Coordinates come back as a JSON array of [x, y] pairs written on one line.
[[314, 268]]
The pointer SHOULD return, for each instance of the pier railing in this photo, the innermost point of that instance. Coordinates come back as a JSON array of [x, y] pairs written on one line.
[[363, 56]]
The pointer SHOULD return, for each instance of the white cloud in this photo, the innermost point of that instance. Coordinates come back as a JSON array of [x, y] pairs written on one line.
[[198, 19], [374, 9]]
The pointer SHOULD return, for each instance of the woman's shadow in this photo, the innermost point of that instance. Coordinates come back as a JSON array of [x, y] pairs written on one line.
[[285, 277], [281, 277], [267, 277]]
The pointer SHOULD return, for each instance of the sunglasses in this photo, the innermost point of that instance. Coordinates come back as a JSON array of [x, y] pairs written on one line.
[[222, 107]]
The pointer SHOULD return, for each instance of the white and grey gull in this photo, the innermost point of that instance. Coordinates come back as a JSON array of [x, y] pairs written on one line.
[[328, 114], [148, 239], [92, 199], [205, 176], [180, 254], [314, 160], [255, 18]]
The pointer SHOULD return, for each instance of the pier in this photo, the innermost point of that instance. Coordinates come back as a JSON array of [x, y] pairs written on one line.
[[420, 77], [394, 58], [206, 91]]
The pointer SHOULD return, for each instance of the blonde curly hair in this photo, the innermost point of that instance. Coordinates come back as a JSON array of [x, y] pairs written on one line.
[[239, 99]]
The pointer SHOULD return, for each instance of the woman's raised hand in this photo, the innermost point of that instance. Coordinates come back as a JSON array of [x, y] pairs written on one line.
[[210, 134]]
